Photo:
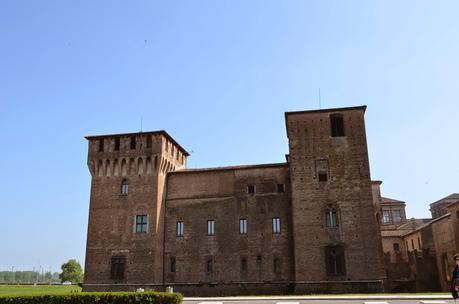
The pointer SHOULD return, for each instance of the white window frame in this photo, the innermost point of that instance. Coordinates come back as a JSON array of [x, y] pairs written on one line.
[[243, 226], [124, 187], [210, 227], [180, 228], [386, 216], [276, 225]]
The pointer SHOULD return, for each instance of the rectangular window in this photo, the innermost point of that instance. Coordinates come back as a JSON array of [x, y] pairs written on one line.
[[277, 265], [242, 226], [386, 217], [141, 223], [148, 141], [133, 142], [397, 216], [276, 225], [331, 219], [251, 189], [118, 264], [243, 265], [335, 261], [259, 262], [124, 187], [419, 243], [412, 244], [396, 247], [210, 266], [210, 227], [117, 144], [101, 145], [173, 264], [280, 188], [323, 176], [337, 125], [180, 228]]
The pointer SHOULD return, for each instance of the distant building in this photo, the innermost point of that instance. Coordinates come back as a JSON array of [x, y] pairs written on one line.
[[440, 207], [419, 252], [306, 225]]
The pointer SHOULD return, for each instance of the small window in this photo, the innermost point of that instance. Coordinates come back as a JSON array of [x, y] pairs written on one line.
[[209, 266], [386, 217], [280, 188], [323, 176], [259, 262], [118, 264], [276, 225], [412, 244], [180, 228], [335, 260], [277, 265], [173, 265], [243, 265], [243, 226], [419, 243], [148, 141], [124, 187], [133, 142], [117, 143], [141, 223], [397, 216], [251, 189], [396, 247], [331, 219], [337, 125], [210, 227], [101, 145]]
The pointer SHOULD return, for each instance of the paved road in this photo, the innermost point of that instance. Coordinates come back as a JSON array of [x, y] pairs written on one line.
[[314, 301]]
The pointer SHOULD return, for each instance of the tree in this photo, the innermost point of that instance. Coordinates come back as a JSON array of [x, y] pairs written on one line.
[[72, 272]]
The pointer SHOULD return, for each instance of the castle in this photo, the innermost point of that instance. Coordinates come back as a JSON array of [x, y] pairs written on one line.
[[302, 226]]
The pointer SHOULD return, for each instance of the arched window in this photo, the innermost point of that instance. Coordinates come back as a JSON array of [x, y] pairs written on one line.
[[124, 187]]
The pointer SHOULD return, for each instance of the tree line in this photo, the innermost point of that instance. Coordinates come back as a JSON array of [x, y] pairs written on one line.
[[28, 277], [71, 272]]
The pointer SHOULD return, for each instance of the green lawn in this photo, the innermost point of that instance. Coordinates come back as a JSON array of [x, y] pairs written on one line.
[[35, 290]]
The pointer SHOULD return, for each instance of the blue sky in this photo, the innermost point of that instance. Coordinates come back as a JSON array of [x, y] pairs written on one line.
[[217, 75]]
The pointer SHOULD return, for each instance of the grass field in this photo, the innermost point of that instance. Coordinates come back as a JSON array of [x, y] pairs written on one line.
[[35, 290]]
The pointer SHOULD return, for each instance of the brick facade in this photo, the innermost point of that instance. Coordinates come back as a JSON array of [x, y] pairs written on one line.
[[307, 225]]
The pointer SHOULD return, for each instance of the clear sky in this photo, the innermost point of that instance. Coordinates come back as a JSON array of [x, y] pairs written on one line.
[[218, 76]]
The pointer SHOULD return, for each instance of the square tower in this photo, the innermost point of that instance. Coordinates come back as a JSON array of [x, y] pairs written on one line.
[[336, 235], [126, 212]]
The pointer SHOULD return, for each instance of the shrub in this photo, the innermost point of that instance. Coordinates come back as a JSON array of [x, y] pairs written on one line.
[[96, 298]]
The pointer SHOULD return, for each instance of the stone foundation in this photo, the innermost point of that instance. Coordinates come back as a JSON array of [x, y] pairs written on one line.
[[244, 288]]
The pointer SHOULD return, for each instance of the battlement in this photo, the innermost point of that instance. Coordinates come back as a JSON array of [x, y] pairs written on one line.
[[134, 153]]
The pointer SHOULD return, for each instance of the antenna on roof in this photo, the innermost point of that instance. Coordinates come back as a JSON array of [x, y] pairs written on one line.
[[141, 123], [320, 101]]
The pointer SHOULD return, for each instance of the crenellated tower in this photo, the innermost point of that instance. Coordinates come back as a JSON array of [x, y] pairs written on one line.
[[125, 229]]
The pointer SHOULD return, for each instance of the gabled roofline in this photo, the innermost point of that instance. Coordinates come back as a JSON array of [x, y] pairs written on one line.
[[159, 132]]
